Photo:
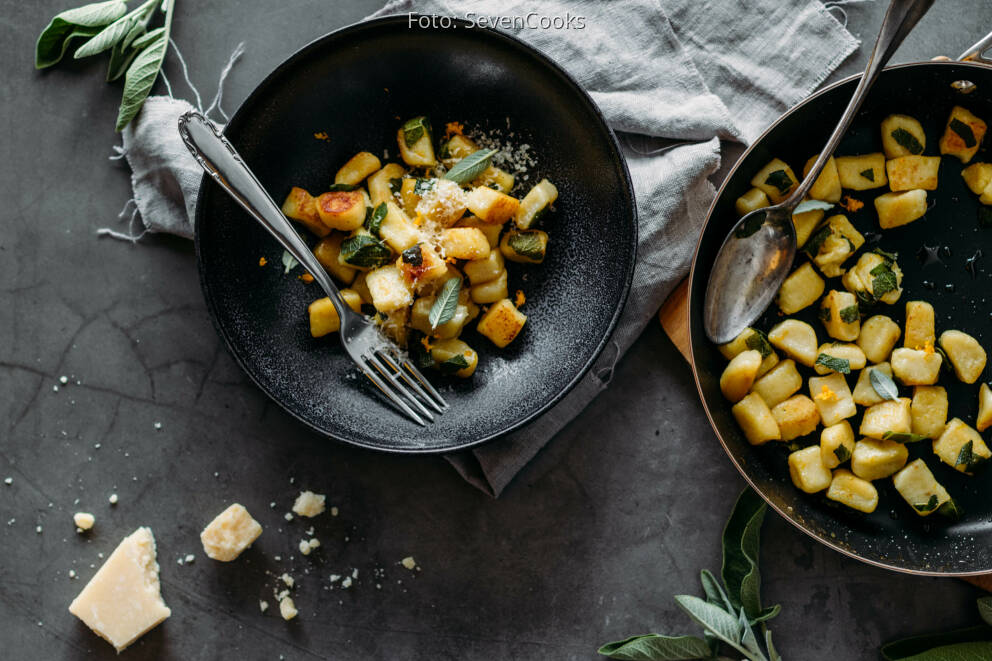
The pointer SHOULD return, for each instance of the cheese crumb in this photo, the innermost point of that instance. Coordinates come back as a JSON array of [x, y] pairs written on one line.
[[288, 580], [83, 521], [287, 608], [309, 504], [346, 583], [63, 380], [308, 545], [230, 533], [8, 481], [409, 562], [334, 511], [113, 499], [288, 516], [262, 604], [72, 573], [190, 558]]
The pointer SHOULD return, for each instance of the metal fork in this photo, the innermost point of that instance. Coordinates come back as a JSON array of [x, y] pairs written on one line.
[[377, 357]]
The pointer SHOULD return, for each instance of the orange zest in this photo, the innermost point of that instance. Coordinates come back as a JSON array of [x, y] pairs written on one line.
[[306, 277], [455, 128], [928, 348], [262, 261], [826, 394], [519, 298], [850, 204], [418, 219], [427, 343], [321, 135]]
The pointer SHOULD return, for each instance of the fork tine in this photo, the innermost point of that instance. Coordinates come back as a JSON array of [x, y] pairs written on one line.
[[377, 380], [410, 381], [424, 382], [394, 377]]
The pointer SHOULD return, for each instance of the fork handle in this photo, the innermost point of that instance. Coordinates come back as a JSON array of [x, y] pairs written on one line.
[[218, 157]]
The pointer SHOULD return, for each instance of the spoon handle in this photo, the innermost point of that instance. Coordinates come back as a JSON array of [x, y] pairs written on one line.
[[900, 18]]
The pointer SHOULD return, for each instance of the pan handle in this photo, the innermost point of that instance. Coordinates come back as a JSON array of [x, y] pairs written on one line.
[[976, 52]]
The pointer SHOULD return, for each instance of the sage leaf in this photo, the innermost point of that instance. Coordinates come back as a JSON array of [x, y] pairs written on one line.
[[374, 218], [842, 365], [752, 223], [365, 251], [907, 140], [964, 131], [780, 179], [985, 609], [966, 456], [813, 244], [108, 37], [470, 167], [884, 280], [422, 186], [78, 22], [842, 452], [741, 543], [903, 437], [342, 187], [883, 384], [714, 619], [850, 314], [453, 364], [288, 262], [758, 341], [950, 510], [811, 205], [655, 647], [414, 129], [144, 70], [868, 174], [121, 55], [772, 611], [527, 243], [748, 640], [975, 651], [146, 39], [715, 594], [916, 646], [928, 506], [445, 304]]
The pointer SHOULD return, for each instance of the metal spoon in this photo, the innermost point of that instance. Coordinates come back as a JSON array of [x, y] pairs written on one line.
[[757, 254]]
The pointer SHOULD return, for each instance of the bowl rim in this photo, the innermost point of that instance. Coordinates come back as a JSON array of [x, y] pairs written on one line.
[[694, 273], [626, 191]]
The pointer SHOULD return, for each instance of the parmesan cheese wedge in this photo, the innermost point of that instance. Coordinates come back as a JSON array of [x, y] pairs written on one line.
[[123, 601]]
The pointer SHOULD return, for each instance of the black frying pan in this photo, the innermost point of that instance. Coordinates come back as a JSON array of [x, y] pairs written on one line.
[[356, 84], [892, 536]]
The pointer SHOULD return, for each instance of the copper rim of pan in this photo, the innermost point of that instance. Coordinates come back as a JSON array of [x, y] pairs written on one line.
[[693, 274]]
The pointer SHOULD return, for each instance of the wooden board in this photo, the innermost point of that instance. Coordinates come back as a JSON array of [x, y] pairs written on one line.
[[674, 318]]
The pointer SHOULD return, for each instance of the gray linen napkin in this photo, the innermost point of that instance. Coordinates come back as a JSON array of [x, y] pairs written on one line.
[[689, 71]]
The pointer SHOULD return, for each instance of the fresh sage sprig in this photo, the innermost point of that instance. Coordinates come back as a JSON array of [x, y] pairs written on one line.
[[731, 614], [445, 304], [135, 52]]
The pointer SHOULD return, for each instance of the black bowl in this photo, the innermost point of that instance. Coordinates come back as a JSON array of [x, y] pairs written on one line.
[[355, 85]]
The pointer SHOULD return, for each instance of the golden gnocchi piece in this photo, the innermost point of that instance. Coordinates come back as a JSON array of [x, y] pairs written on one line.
[[780, 383], [836, 444], [738, 376], [807, 470], [328, 253], [912, 172], [776, 180], [381, 181], [898, 209], [502, 322], [864, 392], [805, 223], [962, 135], [875, 277], [861, 172], [796, 416], [918, 487], [848, 489], [342, 210], [977, 177], [929, 411], [875, 459], [357, 169], [389, 289], [796, 339], [752, 200], [832, 244], [984, 420], [902, 135], [965, 353], [302, 206], [756, 420], [892, 416], [827, 186], [920, 331], [324, 318], [415, 142], [879, 335], [453, 356], [491, 205], [800, 290], [961, 447], [839, 357], [840, 315], [833, 398], [916, 367], [749, 338]]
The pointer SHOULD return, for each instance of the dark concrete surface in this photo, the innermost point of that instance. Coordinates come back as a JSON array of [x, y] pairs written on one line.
[[587, 546]]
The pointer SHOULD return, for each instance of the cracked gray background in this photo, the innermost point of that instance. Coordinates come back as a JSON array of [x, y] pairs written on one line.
[[588, 545]]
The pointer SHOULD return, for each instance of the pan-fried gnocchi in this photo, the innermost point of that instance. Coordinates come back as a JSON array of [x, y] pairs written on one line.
[[422, 244], [895, 424]]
